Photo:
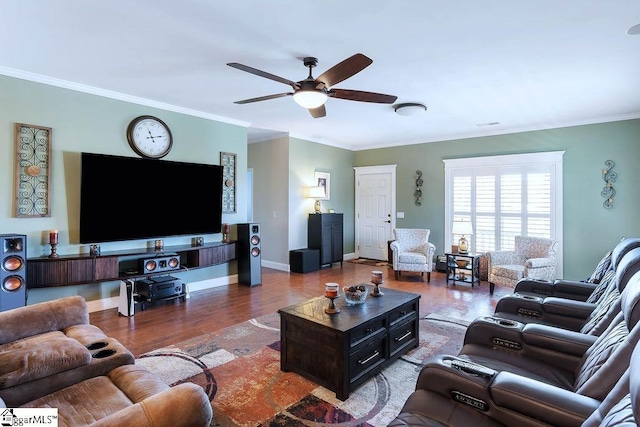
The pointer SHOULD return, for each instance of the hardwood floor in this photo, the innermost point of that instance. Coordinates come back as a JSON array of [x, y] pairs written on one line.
[[167, 322]]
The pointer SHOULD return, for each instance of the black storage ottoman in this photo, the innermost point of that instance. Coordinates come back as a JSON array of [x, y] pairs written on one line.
[[304, 260], [441, 263]]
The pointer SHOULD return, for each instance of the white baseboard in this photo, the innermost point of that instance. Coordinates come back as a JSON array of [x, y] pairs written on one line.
[[102, 304], [275, 265], [112, 302]]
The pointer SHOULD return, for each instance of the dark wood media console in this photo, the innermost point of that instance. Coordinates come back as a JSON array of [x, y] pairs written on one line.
[[44, 272]]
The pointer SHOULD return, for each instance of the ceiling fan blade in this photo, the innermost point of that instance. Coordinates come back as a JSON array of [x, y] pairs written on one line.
[[358, 95], [318, 112], [263, 98], [263, 74], [344, 70]]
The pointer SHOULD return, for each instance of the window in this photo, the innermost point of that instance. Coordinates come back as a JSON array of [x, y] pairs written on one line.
[[505, 196]]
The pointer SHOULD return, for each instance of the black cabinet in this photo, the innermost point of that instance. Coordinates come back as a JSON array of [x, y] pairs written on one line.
[[325, 234]]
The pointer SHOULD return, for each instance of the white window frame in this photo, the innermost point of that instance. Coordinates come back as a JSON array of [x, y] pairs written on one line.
[[552, 159]]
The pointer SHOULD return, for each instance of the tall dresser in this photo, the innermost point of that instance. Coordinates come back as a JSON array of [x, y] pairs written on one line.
[[325, 234]]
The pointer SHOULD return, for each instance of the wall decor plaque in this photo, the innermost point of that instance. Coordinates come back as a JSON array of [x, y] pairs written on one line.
[[228, 162], [32, 171]]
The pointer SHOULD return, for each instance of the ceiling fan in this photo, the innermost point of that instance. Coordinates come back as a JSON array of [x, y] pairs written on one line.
[[312, 93]]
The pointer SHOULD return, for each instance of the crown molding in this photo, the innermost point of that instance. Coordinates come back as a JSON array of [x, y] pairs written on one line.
[[65, 84]]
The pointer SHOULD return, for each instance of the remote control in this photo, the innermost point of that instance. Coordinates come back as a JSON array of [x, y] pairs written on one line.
[[473, 368]]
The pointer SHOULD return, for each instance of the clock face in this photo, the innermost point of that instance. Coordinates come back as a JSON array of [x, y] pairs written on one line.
[[149, 137]]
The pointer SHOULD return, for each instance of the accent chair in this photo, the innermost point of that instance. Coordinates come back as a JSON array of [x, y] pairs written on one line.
[[532, 257], [412, 251]]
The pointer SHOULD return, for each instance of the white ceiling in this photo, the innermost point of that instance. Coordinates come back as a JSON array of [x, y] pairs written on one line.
[[525, 64]]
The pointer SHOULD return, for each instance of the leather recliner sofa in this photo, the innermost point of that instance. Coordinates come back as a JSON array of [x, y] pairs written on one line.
[[571, 314], [590, 290], [526, 375], [621, 408]]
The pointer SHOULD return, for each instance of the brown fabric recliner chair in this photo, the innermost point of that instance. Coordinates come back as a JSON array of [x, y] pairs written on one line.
[[128, 396], [51, 357], [47, 346]]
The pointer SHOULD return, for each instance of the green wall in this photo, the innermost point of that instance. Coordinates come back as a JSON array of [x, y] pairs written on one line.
[[589, 229], [270, 164], [84, 122], [306, 158], [282, 171]]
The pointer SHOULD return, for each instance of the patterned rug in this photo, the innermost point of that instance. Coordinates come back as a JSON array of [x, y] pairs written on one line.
[[239, 368]]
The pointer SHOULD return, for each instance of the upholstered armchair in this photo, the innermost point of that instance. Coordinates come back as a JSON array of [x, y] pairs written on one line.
[[532, 257], [412, 251]]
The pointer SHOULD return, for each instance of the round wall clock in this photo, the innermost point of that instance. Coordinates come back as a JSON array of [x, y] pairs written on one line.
[[149, 137]]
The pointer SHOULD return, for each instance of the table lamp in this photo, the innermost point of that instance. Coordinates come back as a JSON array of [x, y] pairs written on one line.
[[462, 228], [316, 193]]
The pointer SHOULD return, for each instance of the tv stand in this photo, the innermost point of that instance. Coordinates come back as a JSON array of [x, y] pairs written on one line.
[[66, 270]]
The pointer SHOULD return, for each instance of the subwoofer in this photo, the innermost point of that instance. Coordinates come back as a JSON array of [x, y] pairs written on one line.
[[13, 271], [249, 255]]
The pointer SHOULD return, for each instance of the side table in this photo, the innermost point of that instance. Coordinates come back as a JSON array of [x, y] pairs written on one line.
[[470, 273]]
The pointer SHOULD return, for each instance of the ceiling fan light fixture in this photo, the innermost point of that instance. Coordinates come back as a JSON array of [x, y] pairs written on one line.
[[310, 99], [409, 108], [634, 31]]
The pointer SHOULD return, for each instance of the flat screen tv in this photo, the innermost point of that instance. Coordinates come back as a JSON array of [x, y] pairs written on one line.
[[126, 198]]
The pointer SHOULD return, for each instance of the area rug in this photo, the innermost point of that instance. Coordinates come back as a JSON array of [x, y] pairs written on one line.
[[239, 369], [371, 262]]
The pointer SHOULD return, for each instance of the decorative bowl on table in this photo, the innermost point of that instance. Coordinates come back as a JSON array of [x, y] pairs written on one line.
[[354, 295], [462, 263]]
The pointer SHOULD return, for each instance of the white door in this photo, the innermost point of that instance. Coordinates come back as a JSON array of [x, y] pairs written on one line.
[[375, 210]]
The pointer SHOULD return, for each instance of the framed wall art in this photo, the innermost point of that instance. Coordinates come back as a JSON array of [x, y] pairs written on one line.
[[32, 171], [228, 162], [323, 179]]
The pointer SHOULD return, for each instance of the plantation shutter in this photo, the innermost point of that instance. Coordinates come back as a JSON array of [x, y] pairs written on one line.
[[503, 197]]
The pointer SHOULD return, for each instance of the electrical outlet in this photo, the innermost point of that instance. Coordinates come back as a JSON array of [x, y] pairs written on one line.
[[399, 214]]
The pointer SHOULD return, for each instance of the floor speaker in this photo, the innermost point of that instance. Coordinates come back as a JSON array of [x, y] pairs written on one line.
[[249, 254], [13, 271]]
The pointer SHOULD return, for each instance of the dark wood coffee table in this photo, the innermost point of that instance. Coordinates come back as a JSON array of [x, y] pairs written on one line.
[[343, 350]]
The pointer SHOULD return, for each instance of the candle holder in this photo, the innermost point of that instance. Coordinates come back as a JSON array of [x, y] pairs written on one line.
[[332, 309], [376, 279], [226, 232], [54, 253], [53, 241]]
